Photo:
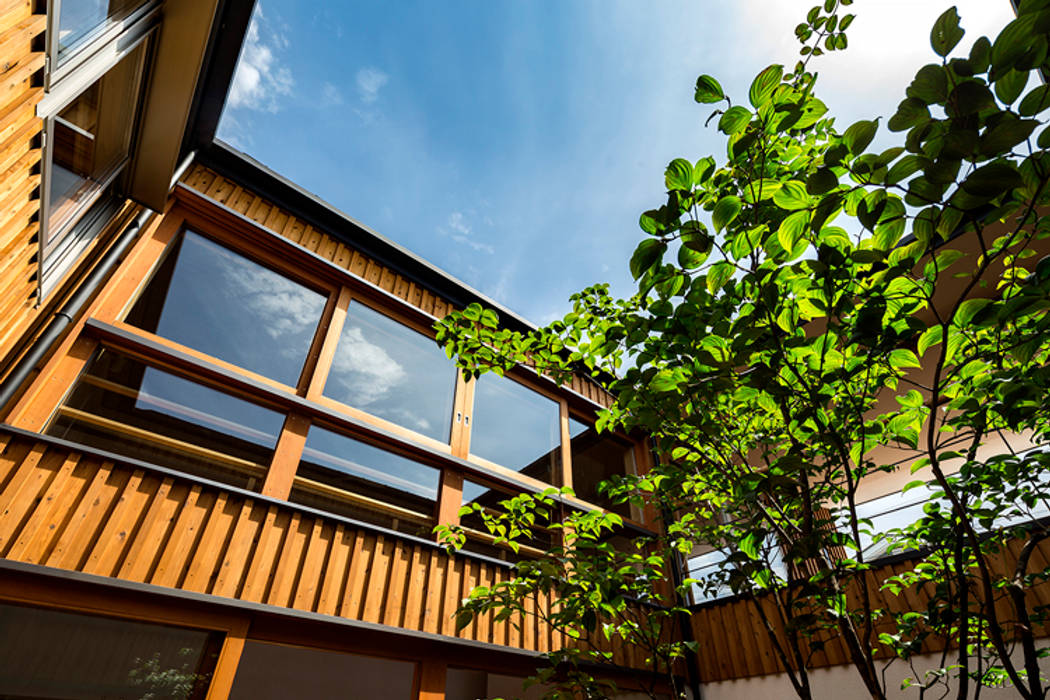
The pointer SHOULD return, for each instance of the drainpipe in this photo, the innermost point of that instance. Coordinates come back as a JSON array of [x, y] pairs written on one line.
[[63, 318]]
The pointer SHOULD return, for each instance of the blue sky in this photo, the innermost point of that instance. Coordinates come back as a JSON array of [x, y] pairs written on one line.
[[514, 144]]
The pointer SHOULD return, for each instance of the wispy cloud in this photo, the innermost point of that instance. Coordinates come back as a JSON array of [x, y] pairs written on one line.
[[370, 81], [260, 81], [461, 232], [331, 95]]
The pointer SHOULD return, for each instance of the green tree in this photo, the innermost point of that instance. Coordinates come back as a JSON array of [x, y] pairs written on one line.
[[800, 309]]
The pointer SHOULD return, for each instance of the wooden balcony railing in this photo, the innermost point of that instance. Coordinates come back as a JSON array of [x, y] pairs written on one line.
[[71, 507]]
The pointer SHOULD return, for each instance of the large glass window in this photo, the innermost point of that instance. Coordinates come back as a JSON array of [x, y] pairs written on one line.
[[90, 140], [52, 654], [469, 684], [597, 458], [362, 481], [391, 371], [480, 540], [277, 672], [79, 21], [209, 298], [124, 406], [515, 427]]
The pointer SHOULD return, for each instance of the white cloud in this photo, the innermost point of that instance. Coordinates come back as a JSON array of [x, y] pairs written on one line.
[[369, 82], [331, 96], [260, 80], [366, 371], [461, 232]]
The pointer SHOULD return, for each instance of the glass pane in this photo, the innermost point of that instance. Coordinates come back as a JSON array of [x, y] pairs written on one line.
[[489, 498], [53, 654], [393, 372], [277, 672], [81, 19], [596, 458], [358, 480], [123, 406], [515, 427], [91, 138], [207, 297], [468, 684]]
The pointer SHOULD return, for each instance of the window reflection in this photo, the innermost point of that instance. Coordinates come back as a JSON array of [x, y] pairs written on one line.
[[515, 427], [597, 458], [358, 480], [91, 139], [79, 20], [121, 405], [207, 297], [53, 654], [393, 372], [489, 498]]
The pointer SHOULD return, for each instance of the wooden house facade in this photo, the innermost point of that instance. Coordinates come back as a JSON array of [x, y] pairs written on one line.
[[227, 433]]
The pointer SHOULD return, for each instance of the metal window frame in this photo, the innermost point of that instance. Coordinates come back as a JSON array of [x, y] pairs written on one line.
[[102, 59], [95, 41]]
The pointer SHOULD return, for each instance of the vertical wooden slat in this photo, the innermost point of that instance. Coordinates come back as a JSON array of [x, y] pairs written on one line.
[[376, 589], [264, 560], [232, 569], [360, 565], [336, 572], [307, 590], [152, 535], [290, 562]]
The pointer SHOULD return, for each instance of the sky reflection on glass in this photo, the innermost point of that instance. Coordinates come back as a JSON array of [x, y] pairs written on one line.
[[393, 372], [369, 463], [213, 300], [514, 426]]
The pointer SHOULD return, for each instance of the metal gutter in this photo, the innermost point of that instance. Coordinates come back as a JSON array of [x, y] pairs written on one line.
[[65, 316]]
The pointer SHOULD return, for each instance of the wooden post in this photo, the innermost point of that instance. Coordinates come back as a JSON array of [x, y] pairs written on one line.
[[286, 457], [226, 667], [566, 445], [450, 497], [431, 680]]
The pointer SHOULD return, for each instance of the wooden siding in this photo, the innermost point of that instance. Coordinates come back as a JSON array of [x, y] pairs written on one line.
[[70, 510], [20, 78], [734, 644], [230, 194]]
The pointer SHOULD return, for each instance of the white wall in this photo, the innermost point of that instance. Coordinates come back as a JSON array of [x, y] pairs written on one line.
[[839, 683]]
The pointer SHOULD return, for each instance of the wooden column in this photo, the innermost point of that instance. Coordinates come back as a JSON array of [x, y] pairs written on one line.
[[450, 497], [286, 457], [566, 445], [431, 680], [226, 667]]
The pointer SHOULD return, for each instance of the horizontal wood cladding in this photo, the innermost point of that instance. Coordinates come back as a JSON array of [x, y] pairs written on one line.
[[77, 511], [20, 67], [246, 203], [733, 642]]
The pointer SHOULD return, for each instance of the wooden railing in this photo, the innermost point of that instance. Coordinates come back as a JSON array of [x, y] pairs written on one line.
[[733, 642], [74, 508]]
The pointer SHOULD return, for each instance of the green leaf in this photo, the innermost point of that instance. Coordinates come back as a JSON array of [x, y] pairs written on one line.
[[792, 229], [968, 309], [679, 175], [727, 209], [718, 275], [912, 485], [1009, 132], [821, 181], [758, 190], [763, 85], [946, 32], [930, 337], [992, 180], [1009, 87], [708, 90], [902, 358], [1035, 101], [859, 135], [910, 112], [649, 221], [1013, 42], [930, 84], [690, 259], [702, 170], [648, 253], [734, 120], [905, 168], [791, 196]]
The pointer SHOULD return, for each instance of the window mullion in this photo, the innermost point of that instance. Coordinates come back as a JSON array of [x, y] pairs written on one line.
[[326, 356], [463, 407], [286, 457], [566, 444]]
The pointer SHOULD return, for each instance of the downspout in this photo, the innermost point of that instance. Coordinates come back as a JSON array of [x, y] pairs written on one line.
[[64, 317]]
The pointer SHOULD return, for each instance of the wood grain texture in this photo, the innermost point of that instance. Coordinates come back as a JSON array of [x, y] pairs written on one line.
[[20, 80], [266, 214], [65, 509]]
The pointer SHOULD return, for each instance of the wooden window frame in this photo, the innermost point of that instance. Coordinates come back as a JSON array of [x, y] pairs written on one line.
[[102, 325]]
